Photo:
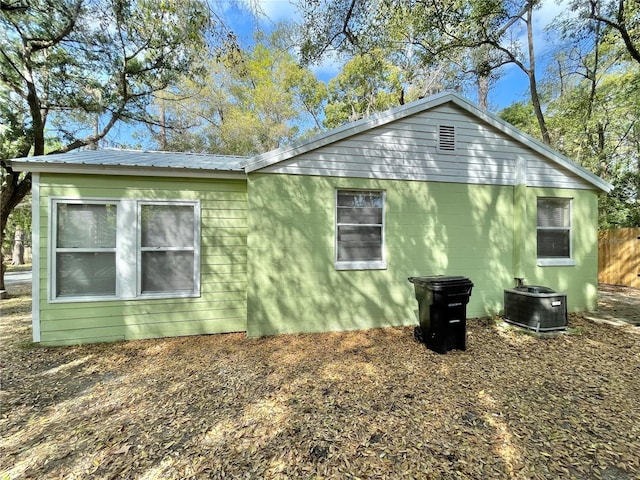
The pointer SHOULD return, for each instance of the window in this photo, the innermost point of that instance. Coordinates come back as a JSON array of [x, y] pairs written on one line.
[[124, 249], [359, 229], [85, 249], [554, 231], [167, 248]]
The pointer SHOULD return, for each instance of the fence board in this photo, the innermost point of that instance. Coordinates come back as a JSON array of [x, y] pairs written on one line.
[[619, 257]]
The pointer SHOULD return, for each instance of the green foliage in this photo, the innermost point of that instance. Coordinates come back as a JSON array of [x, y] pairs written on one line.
[[250, 102], [521, 116], [593, 116], [20, 218], [68, 64], [367, 84]]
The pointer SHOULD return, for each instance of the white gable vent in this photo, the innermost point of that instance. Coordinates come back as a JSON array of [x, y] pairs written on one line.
[[446, 138]]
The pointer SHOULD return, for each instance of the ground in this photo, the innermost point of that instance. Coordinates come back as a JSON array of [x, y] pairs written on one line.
[[367, 404]]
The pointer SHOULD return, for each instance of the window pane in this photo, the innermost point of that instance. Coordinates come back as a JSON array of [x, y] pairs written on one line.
[[359, 243], [553, 244], [167, 225], [370, 215], [86, 226], [360, 199], [167, 272], [553, 212], [85, 274]]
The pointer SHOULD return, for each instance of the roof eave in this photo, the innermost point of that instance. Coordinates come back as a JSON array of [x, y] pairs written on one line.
[[533, 143], [275, 156], [382, 118], [135, 170]]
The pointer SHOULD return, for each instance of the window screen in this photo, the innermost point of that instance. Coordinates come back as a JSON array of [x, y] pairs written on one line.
[[85, 249], [167, 245]]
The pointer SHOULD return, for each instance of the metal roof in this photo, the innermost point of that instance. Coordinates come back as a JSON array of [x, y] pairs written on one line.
[[113, 158]]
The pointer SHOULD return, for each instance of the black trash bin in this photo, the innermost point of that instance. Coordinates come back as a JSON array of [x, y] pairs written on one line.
[[442, 306]]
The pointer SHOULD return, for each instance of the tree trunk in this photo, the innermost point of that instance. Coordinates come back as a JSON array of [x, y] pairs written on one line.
[[17, 255], [483, 91], [533, 86], [14, 191]]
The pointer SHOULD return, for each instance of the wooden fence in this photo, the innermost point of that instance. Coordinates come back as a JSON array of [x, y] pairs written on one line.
[[619, 257]]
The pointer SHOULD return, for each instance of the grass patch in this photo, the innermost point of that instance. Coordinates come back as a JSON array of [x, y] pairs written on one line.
[[18, 268]]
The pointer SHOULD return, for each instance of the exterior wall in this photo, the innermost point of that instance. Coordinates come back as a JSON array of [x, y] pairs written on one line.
[[222, 304], [430, 228], [407, 150], [579, 281]]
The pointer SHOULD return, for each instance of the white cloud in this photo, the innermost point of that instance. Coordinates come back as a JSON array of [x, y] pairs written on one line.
[[277, 10], [330, 65]]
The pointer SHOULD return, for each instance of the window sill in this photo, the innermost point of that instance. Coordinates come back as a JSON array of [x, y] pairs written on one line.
[[556, 262], [360, 265], [112, 298]]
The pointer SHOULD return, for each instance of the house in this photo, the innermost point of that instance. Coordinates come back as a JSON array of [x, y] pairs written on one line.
[[317, 236]]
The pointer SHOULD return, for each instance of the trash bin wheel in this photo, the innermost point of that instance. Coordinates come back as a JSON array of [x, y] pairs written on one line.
[[417, 333]]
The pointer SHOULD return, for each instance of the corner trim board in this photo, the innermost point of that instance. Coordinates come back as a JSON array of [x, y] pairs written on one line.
[[35, 256]]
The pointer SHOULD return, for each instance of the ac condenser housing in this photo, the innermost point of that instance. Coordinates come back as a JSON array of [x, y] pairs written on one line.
[[535, 307]]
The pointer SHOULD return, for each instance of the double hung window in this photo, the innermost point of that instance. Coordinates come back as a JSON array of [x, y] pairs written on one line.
[[553, 230], [167, 248], [360, 229], [85, 249], [124, 249]]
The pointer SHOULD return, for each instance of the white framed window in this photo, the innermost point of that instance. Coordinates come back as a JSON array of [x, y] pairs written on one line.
[[553, 229], [84, 249], [359, 241], [168, 243], [123, 249]]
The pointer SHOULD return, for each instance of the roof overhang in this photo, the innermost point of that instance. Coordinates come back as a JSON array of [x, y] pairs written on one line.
[[290, 151], [124, 170]]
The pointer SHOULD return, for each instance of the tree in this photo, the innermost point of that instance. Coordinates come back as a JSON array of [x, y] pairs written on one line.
[[619, 16], [593, 112], [67, 65], [477, 36], [367, 84], [251, 101]]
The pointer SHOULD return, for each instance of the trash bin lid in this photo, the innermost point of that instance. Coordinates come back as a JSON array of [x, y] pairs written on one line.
[[441, 281]]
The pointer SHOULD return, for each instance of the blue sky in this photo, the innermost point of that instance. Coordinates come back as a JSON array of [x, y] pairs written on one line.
[[513, 85]]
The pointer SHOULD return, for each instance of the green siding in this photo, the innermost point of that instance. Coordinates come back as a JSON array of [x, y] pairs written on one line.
[[222, 304], [580, 281], [431, 228]]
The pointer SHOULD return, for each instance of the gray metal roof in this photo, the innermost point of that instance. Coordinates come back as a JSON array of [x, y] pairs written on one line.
[[139, 159]]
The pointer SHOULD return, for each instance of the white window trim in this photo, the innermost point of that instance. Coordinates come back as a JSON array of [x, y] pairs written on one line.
[[127, 250], [557, 261], [359, 264]]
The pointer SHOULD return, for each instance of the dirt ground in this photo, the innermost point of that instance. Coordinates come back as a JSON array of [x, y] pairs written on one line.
[[618, 305], [365, 404]]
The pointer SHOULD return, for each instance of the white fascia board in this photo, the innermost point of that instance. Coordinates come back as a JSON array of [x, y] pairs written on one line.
[[345, 131], [86, 169]]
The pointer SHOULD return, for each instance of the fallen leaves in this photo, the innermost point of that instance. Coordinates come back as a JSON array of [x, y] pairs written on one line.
[[367, 404]]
